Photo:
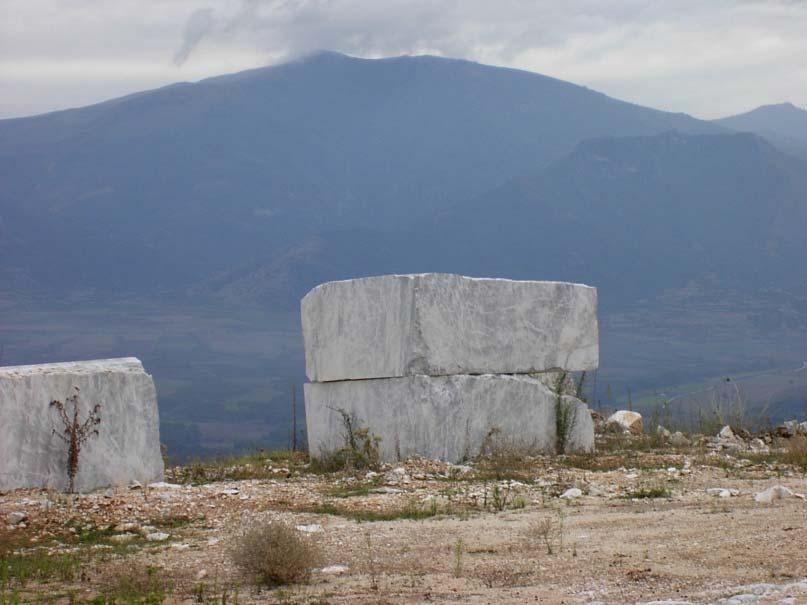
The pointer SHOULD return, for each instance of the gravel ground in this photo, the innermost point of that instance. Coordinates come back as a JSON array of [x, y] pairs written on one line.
[[645, 529]]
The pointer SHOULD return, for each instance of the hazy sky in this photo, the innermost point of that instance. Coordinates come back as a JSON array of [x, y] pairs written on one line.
[[705, 57]]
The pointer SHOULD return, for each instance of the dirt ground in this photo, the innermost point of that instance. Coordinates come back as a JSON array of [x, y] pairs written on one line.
[[644, 529]]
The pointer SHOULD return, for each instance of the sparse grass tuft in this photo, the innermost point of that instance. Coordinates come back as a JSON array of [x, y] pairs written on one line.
[[796, 454], [649, 493], [17, 569], [134, 586], [411, 511], [275, 554], [259, 464], [548, 531]]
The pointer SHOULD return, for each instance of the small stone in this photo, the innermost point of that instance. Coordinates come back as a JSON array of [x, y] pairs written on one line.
[[201, 574], [625, 421], [385, 489], [571, 493], [334, 569], [722, 492], [777, 492], [726, 433], [309, 529], [127, 527], [135, 485], [157, 537], [678, 439], [15, 518], [122, 538]]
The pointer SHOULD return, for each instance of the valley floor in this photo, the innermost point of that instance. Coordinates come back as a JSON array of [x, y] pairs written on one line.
[[643, 529]]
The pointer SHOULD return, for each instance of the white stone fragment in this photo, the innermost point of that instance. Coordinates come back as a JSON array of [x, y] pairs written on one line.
[[571, 494], [126, 449], [625, 421], [722, 492], [157, 537], [776, 492], [444, 417], [439, 324], [16, 517], [334, 570], [311, 528]]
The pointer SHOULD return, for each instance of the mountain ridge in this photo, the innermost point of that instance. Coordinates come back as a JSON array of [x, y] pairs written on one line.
[[194, 179]]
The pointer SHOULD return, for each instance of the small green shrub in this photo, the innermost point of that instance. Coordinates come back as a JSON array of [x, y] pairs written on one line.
[[275, 554], [564, 414], [359, 452]]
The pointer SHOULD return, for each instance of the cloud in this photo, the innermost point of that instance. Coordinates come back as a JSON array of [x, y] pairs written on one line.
[[197, 27]]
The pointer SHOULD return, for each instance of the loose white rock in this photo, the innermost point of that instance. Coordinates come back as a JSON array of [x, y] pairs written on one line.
[[722, 492], [15, 518], [439, 324], [309, 529], [777, 492], [157, 537], [571, 494], [122, 538], [334, 570], [625, 421]]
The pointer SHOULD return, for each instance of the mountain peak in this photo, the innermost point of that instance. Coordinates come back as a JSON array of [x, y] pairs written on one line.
[[784, 124]]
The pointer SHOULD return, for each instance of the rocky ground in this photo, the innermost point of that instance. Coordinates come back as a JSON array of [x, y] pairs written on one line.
[[641, 521]]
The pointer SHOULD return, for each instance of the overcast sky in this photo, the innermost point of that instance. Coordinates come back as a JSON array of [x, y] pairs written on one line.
[[705, 57]]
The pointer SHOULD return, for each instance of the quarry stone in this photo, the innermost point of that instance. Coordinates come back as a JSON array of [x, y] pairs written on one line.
[[446, 417], [441, 324], [126, 449]]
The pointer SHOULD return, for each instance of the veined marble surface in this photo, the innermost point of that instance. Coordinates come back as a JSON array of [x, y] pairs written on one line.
[[445, 417], [440, 324], [126, 449]]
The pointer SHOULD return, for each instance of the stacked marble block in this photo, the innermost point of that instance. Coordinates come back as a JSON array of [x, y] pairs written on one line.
[[126, 449], [435, 363]]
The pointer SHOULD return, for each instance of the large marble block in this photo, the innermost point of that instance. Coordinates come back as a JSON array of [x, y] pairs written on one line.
[[126, 449], [439, 324], [444, 417]]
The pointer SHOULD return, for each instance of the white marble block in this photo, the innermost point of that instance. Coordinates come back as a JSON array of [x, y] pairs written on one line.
[[126, 449], [439, 324], [444, 417]]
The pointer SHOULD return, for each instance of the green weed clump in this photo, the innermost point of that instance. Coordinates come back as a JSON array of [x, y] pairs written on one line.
[[359, 451], [649, 493]]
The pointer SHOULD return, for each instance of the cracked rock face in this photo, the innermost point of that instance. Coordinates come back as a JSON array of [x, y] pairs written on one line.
[[439, 324], [126, 449], [445, 417]]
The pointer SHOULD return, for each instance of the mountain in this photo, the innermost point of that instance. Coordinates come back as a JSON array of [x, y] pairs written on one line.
[[159, 190], [784, 125], [635, 216]]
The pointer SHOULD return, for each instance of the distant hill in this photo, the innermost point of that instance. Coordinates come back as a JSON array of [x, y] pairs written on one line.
[[784, 125], [160, 190], [634, 216]]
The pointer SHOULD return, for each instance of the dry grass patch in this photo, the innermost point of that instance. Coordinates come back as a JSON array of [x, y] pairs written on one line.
[[275, 554]]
